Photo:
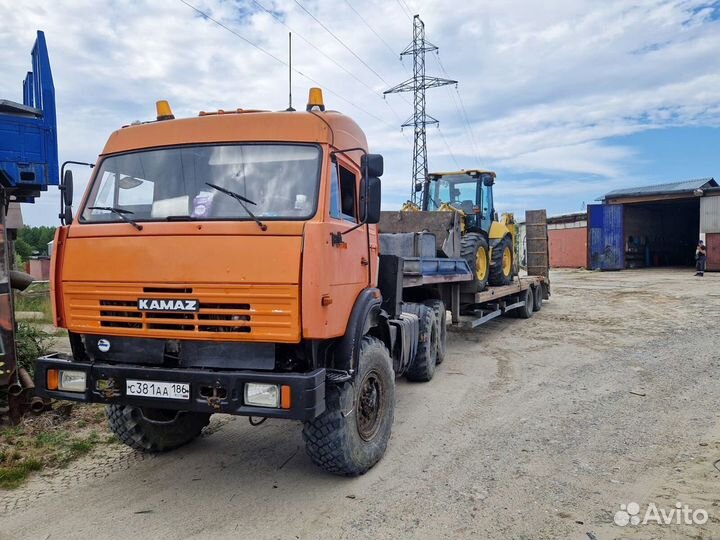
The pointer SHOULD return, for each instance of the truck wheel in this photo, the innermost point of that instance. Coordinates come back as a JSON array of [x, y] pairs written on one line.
[[352, 434], [154, 430], [501, 268], [422, 367], [438, 306], [526, 311], [474, 249], [537, 298]]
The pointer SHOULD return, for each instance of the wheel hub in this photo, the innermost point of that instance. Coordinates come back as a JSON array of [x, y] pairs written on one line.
[[370, 405], [506, 261]]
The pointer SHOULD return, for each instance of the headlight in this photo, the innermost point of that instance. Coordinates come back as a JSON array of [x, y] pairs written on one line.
[[72, 381], [262, 395]]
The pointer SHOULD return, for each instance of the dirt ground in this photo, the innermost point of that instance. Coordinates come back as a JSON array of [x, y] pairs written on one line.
[[530, 429]]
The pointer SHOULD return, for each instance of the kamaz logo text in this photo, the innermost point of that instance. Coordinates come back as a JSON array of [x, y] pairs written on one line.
[[157, 304]]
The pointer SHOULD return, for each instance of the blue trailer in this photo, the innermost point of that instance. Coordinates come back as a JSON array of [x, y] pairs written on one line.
[[28, 133]]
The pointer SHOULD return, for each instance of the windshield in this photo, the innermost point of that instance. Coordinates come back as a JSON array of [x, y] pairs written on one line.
[[280, 179], [459, 190]]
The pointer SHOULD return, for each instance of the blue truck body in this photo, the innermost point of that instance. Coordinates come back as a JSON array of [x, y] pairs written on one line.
[[28, 132]]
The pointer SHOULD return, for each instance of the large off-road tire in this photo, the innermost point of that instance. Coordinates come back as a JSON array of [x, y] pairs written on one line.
[[438, 306], [154, 430], [422, 368], [474, 249], [352, 434], [501, 266]]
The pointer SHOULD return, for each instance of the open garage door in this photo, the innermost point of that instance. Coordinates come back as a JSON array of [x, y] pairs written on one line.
[[606, 238]]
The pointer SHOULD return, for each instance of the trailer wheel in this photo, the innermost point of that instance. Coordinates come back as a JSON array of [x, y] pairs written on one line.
[[501, 267], [422, 368], [154, 430], [538, 297], [474, 249], [526, 311], [352, 434], [438, 306]]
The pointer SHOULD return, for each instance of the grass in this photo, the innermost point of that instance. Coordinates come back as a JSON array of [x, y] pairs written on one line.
[[49, 441], [14, 475], [35, 298]]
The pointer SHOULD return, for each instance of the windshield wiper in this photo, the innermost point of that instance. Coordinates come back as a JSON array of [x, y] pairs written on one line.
[[242, 200], [121, 213]]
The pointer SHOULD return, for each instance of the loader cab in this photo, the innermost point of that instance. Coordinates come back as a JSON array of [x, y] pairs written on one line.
[[468, 191]]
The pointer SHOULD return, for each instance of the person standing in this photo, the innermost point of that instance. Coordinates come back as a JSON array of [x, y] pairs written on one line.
[[700, 258]]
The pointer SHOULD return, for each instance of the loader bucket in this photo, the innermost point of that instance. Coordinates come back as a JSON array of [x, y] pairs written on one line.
[[445, 226]]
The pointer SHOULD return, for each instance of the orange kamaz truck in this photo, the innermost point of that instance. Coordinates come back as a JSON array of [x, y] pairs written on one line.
[[230, 263]]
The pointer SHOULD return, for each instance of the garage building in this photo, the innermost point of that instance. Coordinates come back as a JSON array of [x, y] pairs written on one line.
[[653, 225]]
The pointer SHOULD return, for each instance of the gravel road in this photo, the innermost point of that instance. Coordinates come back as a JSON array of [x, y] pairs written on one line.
[[530, 429]]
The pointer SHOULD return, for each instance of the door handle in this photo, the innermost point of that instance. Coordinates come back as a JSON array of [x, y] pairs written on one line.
[[364, 261]]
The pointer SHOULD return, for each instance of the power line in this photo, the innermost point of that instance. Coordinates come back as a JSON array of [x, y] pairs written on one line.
[[449, 149], [318, 49], [379, 37], [406, 11], [342, 43], [283, 62], [370, 27], [258, 47], [461, 109]]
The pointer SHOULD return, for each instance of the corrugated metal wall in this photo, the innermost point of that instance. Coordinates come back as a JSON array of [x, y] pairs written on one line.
[[607, 240], [710, 215], [568, 247]]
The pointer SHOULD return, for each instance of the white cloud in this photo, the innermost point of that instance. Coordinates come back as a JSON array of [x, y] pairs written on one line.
[[545, 84]]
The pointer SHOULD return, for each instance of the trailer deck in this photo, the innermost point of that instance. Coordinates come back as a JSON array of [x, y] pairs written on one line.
[[470, 310]]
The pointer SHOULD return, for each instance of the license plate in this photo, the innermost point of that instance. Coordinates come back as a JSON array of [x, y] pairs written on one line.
[[156, 389]]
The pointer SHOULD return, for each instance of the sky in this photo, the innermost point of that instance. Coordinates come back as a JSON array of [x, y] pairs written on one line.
[[565, 99]]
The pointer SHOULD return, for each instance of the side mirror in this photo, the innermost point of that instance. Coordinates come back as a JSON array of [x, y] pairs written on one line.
[[370, 207], [488, 180], [67, 215], [67, 188], [374, 163]]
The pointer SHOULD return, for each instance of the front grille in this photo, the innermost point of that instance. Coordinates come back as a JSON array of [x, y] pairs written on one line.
[[230, 317], [259, 312]]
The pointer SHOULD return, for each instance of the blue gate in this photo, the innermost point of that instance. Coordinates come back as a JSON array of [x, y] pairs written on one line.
[[607, 240]]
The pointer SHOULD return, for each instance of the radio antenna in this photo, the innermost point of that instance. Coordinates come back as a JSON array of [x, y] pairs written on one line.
[[290, 107]]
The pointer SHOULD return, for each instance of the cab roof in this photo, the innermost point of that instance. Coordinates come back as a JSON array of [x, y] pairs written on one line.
[[469, 172], [329, 127]]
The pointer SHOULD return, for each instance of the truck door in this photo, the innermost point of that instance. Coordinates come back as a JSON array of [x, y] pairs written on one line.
[[351, 271], [335, 269], [606, 236]]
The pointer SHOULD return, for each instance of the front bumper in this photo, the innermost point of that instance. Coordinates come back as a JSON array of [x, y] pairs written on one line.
[[106, 384]]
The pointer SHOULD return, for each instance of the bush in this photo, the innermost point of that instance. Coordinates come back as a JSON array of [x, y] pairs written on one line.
[[31, 342]]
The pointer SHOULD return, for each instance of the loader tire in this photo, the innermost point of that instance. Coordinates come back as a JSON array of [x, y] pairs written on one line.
[[438, 306], [154, 430], [501, 266], [422, 368], [352, 434], [474, 249]]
